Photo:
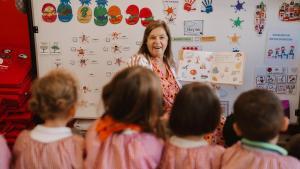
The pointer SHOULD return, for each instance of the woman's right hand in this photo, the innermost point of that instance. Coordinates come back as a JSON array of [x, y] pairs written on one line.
[[135, 60]]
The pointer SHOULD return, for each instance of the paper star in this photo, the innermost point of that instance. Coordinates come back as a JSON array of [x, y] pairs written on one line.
[[237, 22], [234, 38]]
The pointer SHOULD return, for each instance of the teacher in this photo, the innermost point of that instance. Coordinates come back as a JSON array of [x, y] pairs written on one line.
[[155, 53]]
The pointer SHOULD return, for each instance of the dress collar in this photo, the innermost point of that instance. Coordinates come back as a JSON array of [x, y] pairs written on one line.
[[263, 146], [185, 143]]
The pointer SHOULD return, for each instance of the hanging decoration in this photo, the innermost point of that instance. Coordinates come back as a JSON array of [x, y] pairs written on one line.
[[207, 6], [260, 18], [100, 13], [239, 6], [84, 13], [237, 22], [170, 10], [64, 11], [189, 5], [133, 12], [290, 11], [146, 16], [49, 13], [114, 13]]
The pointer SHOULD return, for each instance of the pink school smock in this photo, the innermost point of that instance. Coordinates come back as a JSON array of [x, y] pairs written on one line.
[[124, 150]]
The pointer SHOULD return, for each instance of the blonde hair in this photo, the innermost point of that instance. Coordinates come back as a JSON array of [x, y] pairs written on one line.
[[54, 95]]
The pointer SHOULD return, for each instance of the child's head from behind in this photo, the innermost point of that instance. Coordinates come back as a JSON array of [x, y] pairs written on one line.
[[259, 115], [54, 95], [196, 110], [136, 98]]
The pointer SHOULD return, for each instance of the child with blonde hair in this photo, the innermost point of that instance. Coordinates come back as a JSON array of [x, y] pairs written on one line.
[[259, 118], [5, 155], [195, 113], [125, 137], [51, 144]]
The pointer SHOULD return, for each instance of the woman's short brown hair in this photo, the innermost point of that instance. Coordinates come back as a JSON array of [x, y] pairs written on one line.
[[136, 98], [168, 56], [54, 95], [196, 110], [259, 114]]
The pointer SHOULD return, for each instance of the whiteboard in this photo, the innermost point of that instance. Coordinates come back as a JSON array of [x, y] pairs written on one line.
[[107, 48]]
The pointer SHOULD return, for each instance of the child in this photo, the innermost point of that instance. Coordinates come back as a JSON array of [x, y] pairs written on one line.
[[259, 119], [5, 155], [293, 146], [124, 137], [229, 134], [51, 145], [196, 112]]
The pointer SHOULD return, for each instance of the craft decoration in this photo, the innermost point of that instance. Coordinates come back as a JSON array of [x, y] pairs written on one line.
[[208, 38], [281, 80], [216, 67], [207, 6], [114, 13], [281, 46], [55, 48], [290, 11], [170, 10], [234, 38], [238, 6], [64, 11], [84, 13], [189, 5], [49, 13], [260, 18], [100, 13], [237, 22], [193, 27], [133, 12], [146, 16]]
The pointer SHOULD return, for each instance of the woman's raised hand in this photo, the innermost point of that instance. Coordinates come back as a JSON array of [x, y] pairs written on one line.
[[134, 60]]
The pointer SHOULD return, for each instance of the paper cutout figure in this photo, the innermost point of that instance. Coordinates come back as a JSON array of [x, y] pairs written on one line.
[[237, 22], [49, 13], [289, 11], [115, 16], [238, 6], [207, 4], [188, 5], [84, 13], [100, 13], [133, 12], [260, 18], [64, 11], [234, 38], [146, 16]]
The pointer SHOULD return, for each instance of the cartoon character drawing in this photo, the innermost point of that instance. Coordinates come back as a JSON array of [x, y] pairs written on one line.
[[270, 52], [146, 16], [283, 54], [115, 15], [49, 12], [277, 55], [64, 11], [291, 52], [133, 12]]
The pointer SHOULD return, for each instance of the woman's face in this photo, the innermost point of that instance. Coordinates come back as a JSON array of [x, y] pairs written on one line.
[[157, 42]]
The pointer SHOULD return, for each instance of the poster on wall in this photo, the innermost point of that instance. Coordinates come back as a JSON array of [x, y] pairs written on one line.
[[281, 46], [281, 80], [216, 67]]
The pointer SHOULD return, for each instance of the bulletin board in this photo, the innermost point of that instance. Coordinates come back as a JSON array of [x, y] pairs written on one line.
[[95, 38]]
